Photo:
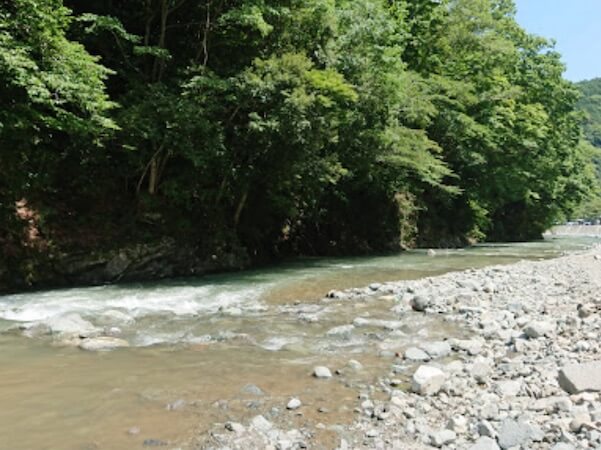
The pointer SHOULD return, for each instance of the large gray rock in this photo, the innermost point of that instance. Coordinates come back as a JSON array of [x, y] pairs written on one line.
[[538, 329], [484, 443], [442, 437], [427, 380], [416, 354], [419, 303], [438, 349], [513, 433], [322, 372], [71, 324], [577, 378]]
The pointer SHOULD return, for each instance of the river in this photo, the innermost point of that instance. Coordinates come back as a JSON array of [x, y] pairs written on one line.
[[200, 348]]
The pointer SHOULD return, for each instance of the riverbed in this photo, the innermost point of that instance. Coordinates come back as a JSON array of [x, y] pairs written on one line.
[[209, 350]]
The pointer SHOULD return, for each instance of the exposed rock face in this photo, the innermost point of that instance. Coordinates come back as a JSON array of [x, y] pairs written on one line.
[[136, 262]]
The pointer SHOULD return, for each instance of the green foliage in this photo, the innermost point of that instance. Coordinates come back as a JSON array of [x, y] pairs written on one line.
[[287, 126]]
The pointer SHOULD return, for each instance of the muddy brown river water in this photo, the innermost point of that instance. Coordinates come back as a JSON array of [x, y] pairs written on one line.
[[196, 345]]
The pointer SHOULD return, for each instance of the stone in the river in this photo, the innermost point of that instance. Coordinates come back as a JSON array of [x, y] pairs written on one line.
[[437, 349], [538, 329], [293, 404], [37, 330], [354, 364], [343, 331], [416, 354], [176, 405], [235, 427], [513, 433], [154, 443], [322, 372], [484, 443], [443, 437], [420, 303], [427, 380], [253, 389], [71, 324], [103, 343], [577, 378]]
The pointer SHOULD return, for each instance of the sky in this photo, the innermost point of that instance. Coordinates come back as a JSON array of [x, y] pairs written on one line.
[[576, 27]]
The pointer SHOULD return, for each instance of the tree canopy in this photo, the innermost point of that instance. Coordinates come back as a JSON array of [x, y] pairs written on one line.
[[294, 126]]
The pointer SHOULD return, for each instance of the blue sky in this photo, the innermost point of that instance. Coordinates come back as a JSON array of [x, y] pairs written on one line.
[[575, 25]]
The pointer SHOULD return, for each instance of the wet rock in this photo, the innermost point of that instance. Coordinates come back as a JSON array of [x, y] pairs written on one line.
[[71, 324], [355, 365], [154, 443], [116, 316], [235, 427], [416, 354], [103, 343], [37, 330], [420, 303], [294, 404], [253, 389], [177, 405], [322, 372], [343, 331], [576, 378], [484, 443], [427, 380]]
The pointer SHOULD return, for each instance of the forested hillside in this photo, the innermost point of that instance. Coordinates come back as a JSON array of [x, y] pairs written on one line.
[[266, 128], [590, 105]]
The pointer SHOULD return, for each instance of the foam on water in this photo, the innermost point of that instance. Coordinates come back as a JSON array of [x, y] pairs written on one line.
[[136, 302]]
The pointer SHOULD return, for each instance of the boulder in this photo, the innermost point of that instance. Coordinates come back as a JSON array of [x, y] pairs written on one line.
[[514, 434], [322, 372], [427, 380], [577, 378]]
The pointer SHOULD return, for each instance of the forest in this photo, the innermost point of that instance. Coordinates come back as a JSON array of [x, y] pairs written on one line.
[[275, 128]]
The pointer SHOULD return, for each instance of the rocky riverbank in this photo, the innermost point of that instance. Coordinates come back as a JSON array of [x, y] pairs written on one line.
[[528, 375]]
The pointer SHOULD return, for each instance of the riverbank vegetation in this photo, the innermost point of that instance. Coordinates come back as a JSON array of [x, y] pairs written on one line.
[[273, 128]]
